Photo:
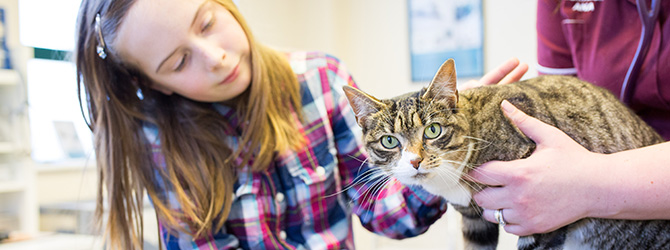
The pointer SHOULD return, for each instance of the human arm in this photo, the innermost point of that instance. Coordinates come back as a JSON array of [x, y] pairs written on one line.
[[562, 182], [508, 72]]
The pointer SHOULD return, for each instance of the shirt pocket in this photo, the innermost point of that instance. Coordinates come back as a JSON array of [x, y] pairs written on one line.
[[313, 165]]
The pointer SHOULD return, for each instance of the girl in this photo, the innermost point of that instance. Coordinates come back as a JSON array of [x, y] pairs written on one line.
[[236, 144]]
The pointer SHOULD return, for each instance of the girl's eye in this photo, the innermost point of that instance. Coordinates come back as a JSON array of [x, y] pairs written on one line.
[[432, 131], [389, 142], [209, 22], [181, 63]]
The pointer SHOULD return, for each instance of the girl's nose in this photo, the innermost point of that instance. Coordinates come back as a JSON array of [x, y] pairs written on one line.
[[212, 54]]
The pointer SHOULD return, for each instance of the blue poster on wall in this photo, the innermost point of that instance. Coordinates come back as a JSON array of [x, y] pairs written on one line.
[[441, 29]]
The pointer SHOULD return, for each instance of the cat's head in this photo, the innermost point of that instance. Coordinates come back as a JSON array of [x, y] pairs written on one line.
[[418, 138]]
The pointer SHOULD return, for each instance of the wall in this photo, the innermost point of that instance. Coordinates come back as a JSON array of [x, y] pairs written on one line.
[[371, 36]]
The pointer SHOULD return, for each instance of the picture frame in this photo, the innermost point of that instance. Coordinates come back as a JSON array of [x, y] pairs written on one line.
[[439, 30]]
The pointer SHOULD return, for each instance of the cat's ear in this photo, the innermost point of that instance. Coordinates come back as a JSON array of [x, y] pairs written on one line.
[[443, 85], [362, 103]]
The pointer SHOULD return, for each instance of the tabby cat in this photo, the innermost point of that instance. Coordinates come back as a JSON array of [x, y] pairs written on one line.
[[434, 136]]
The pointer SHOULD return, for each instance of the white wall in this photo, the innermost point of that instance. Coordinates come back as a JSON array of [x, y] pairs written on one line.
[[371, 36]]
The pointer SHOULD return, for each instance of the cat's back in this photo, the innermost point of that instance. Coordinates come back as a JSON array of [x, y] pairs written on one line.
[[589, 114]]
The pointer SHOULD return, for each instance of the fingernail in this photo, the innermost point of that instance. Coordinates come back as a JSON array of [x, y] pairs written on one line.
[[507, 107]]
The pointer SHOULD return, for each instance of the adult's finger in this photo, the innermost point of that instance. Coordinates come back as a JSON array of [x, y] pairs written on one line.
[[469, 85], [500, 72], [535, 129], [516, 74], [488, 214], [493, 198], [517, 230], [508, 216], [491, 173]]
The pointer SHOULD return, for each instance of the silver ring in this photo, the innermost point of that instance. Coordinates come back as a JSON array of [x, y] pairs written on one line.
[[498, 214]]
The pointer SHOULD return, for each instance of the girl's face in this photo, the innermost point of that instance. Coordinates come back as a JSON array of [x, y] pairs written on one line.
[[194, 48]]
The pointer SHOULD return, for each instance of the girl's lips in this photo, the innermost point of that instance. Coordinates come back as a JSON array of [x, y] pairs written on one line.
[[232, 76]]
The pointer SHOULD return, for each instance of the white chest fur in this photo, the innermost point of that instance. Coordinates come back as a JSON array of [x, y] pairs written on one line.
[[443, 180]]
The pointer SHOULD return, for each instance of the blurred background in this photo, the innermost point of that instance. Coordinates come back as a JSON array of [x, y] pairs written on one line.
[[47, 171]]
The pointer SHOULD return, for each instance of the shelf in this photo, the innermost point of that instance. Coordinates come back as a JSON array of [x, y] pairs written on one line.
[[7, 147], [65, 165], [11, 186], [8, 77]]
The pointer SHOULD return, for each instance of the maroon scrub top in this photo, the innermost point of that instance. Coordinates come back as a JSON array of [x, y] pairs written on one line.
[[597, 40]]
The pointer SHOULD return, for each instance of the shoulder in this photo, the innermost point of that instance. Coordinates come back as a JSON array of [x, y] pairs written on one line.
[[305, 62], [321, 76], [319, 71]]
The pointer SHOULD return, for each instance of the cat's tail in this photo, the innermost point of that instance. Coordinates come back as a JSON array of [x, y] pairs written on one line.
[[478, 233]]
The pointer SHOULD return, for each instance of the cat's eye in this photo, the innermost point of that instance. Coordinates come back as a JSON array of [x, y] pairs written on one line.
[[432, 131], [389, 142]]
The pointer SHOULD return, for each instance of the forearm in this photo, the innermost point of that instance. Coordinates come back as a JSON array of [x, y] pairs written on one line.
[[635, 184]]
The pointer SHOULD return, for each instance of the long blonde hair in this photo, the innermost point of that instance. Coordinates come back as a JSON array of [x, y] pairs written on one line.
[[199, 167]]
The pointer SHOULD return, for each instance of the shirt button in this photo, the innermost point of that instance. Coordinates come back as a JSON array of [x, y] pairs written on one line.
[[279, 197], [282, 235], [320, 171]]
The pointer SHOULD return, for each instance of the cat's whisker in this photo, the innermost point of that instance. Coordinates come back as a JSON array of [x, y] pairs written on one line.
[[362, 164], [374, 190], [358, 159], [488, 143], [370, 173], [372, 183]]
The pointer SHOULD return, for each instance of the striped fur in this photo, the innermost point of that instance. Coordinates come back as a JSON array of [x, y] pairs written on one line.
[[474, 131]]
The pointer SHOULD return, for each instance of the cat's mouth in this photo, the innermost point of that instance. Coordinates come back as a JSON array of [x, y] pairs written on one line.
[[421, 176]]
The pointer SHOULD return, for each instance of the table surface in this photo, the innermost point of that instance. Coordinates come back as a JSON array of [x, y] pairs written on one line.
[[56, 242]]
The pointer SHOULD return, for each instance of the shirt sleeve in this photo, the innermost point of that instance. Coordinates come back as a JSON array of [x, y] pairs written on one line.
[[387, 208], [554, 56]]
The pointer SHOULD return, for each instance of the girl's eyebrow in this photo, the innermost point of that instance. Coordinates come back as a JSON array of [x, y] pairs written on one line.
[[195, 17]]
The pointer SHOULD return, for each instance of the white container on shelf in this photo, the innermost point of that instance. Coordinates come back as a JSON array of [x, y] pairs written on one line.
[[8, 77]]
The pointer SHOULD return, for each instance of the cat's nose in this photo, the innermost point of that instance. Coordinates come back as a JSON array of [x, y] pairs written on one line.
[[415, 163]]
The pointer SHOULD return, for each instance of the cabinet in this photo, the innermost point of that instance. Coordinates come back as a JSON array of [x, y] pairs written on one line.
[[18, 207]]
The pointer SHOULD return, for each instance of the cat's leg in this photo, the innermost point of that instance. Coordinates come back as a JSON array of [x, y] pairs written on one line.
[[554, 240], [477, 232]]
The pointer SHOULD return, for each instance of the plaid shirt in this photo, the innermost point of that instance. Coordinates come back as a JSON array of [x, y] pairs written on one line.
[[302, 201]]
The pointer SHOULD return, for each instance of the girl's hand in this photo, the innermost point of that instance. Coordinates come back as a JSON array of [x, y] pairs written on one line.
[[545, 191], [508, 72]]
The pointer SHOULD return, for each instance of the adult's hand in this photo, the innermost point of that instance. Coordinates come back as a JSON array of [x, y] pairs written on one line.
[[508, 72], [551, 188]]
